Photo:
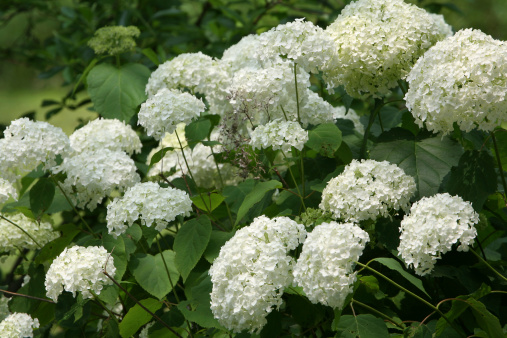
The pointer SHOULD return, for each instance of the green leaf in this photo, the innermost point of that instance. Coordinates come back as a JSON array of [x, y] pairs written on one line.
[[216, 241], [427, 160], [362, 326], [370, 283], [117, 92], [208, 201], [190, 243], [150, 54], [487, 321], [41, 196], [325, 139], [197, 131], [116, 247], [137, 317], [52, 249], [159, 155], [149, 271], [393, 264], [501, 142], [256, 196], [474, 179]]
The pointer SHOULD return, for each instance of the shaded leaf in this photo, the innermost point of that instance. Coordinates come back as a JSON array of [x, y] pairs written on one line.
[[216, 241], [325, 139], [393, 264], [41, 196], [208, 201], [159, 155], [256, 196], [361, 326], [137, 317]]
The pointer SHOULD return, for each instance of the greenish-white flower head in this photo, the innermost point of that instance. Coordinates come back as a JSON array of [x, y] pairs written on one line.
[[18, 325], [433, 226], [366, 190], [279, 135], [114, 40], [149, 203], [325, 268], [79, 269], [7, 191], [377, 42], [460, 80]]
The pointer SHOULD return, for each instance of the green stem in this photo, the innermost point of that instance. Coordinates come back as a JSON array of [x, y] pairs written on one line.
[[373, 115], [294, 180], [221, 182], [297, 94], [400, 325], [497, 153], [111, 314], [402, 87], [23, 230], [488, 265]]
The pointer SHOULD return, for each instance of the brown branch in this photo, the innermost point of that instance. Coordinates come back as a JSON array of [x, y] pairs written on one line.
[[26, 296]]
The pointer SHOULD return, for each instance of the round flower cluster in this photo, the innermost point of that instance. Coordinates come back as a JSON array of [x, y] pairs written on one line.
[[325, 267], [373, 51], [148, 202], [92, 175], [18, 325], [114, 40], [434, 225], [13, 239], [109, 134], [461, 79], [7, 190], [279, 135], [162, 112], [244, 54], [251, 272], [79, 269], [28, 144], [366, 190], [301, 41]]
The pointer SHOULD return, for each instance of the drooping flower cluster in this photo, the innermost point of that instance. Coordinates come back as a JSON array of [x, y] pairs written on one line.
[[434, 225], [366, 190], [114, 40], [79, 269], [251, 272], [18, 325], [279, 135], [12, 238], [325, 267], [377, 42], [461, 79], [148, 202], [27, 144], [109, 134], [7, 191], [162, 112], [92, 175]]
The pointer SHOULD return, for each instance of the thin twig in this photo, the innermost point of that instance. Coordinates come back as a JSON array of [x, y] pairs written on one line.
[[27, 296]]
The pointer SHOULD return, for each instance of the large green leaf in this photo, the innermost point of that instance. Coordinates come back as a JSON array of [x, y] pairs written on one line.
[[151, 274], [256, 196], [41, 196], [190, 243], [428, 160], [325, 139], [361, 326], [216, 241], [393, 264], [208, 201], [200, 129], [117, 92], [137, 317], [474, 179], [116, 247]]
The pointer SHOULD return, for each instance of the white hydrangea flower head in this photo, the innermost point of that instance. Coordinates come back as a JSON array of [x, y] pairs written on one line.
[[18, 325], [433, 226], [264, 94], [109, 134], [325, 267], [378, 42], [341, 112], [4, 307], [315, 110], [301, 41], [251, 272], [92, 175], [244, 54], [79, 269], [162, 112], [148, 202], [7, 191], [461, 79], [366, 190], [27, 144], [279, 135], [13, 239]]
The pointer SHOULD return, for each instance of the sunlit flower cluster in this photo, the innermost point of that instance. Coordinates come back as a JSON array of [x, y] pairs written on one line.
[[279, 135], [377, 43], [244, 54], [251, 272], [7, 191], [114, 40], [366, 190], [92, 175], [18, 325], [109, 134], [148, 202], [79, 269], [434, 225], [325, 267], [460, 80]]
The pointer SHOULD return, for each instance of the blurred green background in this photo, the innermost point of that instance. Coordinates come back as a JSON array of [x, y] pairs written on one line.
[[43, 48]]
